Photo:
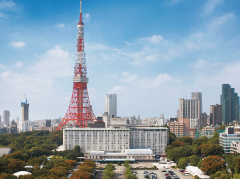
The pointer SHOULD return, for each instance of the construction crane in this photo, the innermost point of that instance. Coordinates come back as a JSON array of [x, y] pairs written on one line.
[[25, 98]]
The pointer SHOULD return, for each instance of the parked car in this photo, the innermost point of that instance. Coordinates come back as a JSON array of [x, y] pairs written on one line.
[[181, 170], [186, 173]]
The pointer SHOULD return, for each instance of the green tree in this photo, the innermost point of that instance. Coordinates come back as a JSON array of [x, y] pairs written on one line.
[[183, 162], [108, 174], [199, 164], [172, 137], [129, 174], [212, 149], [110, 167], [3, 164], [126, 163], [187, 140], [236, 176], [194, 159], [176, 153], [215, 138], [236, 165], [200, 141], [177, 143]]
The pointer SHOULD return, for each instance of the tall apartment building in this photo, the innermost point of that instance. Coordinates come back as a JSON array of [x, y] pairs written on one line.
[[24, 124], [25, 111], [6, 117], [191, 108], [230, 104], [111, 104], [215, 114], [203, 119], [180, 127]]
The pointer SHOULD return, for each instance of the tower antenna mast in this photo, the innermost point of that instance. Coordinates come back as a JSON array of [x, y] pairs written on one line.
[[79, 113]]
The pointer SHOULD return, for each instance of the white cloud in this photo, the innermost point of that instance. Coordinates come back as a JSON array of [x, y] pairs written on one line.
[[125, 73], [151, 49], [55, 62], [2, 66], [154, 39], [129, 79], [222, 20], [40, 83], [6, 6], [211, 5], [154, 82], [17, 44], [87, 16], [118, 90], [60, 26], [200, 63], [19, 64]]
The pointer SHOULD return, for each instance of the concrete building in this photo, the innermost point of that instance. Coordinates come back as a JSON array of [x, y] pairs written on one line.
[[230, 104], [226, 138], [215, 114], [114, 140], [24, 126], [203, 119], [235, 147], [6, 117], [117, 140], [195, 123], [191, 108], [155, 138], [208, 131], [13, 126], [25, 111], [132, 120], [129, 154], [48, 123], [180, 127], [106, 118], [111, 104]]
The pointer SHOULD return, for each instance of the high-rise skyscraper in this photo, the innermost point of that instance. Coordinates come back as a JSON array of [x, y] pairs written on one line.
[[6, 117], [111, 104], [215, 114], [191, 108], [24, 124], [230, 104], [25, 110]]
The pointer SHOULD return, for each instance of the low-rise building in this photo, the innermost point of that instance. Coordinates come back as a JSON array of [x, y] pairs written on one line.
[[129, 154], [208, 131], [235, 147], [226, 138]]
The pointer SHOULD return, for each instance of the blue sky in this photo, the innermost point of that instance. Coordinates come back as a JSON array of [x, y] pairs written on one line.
[[150, 53]]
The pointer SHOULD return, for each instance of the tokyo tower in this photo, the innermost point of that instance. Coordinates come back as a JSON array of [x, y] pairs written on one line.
[[80, 112]]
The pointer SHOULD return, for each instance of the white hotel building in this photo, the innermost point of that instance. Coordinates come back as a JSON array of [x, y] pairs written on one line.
[[117, 140]]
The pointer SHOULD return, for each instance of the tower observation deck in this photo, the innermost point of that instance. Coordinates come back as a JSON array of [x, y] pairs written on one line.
[[79, 113]]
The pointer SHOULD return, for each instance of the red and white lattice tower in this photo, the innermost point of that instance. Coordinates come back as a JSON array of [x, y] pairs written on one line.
[[80, 111]]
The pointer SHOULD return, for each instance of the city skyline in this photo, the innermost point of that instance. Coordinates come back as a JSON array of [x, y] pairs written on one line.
[[149, 53]]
